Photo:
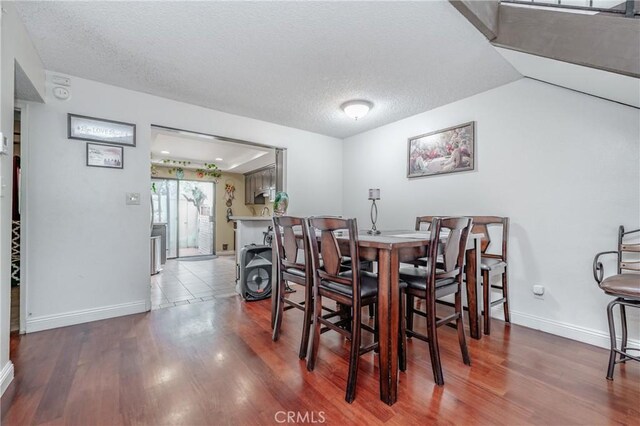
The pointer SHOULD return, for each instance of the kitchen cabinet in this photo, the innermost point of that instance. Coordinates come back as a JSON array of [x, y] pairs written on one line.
[[257, 183]]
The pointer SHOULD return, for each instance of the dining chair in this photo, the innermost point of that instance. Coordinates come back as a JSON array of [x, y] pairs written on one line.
[[491, 264], [625, 287], [436, 281], [293, 266], [352, 290]]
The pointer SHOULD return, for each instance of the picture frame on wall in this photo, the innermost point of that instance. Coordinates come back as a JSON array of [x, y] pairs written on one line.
[[444, 151], [106, 156], [93, 129]]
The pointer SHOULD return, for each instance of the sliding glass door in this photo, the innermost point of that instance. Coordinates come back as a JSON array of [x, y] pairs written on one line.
[[196, 218], [187, 208]]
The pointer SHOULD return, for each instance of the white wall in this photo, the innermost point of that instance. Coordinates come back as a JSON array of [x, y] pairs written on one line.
[[15, 47], [565, 167], [88, 251]]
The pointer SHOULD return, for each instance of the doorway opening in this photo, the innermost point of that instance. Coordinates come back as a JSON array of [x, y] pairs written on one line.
[[200, 184], [15, 323]]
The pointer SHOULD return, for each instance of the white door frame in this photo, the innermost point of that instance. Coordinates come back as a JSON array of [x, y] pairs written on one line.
[[24, 228]]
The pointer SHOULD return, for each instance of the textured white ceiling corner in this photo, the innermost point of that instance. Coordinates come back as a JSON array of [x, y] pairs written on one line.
[[291, 63], [593, 81], [23, 88]]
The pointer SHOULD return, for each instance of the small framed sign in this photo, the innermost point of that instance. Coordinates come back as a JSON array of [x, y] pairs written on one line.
[[98, 130], [109, 156]]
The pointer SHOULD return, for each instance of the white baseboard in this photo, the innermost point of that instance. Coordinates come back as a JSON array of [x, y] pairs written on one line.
[[6, 376], [47, 322], [563, 329]]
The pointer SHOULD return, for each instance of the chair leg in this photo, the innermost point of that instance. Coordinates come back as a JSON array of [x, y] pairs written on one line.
[[402, 344], [274, 304], [434, 349], [486, 301], [460, 327], [315, 337], [409, 313], [372, 310], [354, 356], [279, 310], [344, 314], [306, 326], [612, 335], [623, 322], [376, 330], [505, 295]]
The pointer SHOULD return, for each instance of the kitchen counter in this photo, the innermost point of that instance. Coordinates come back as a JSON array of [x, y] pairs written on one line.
[[255, 218]]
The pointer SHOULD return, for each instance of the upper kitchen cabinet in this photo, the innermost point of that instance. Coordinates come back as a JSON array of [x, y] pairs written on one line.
[[259, 185]]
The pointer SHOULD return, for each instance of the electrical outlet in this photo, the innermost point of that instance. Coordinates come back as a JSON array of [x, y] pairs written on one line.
[[538, 291]]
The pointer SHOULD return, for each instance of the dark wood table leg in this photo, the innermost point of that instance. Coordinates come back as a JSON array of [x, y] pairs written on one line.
[[388, 316], [473, 278]]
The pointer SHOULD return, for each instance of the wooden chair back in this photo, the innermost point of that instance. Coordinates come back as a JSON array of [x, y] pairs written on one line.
[[481, 225], [291, 249], [452, 249], [323, 242], [627, 249], [426, 221]]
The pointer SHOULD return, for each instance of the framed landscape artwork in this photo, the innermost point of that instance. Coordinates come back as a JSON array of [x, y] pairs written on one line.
[[444, 151], [109, 156]]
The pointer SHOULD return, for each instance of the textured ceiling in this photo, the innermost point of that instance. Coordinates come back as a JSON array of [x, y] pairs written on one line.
[[291, 63]]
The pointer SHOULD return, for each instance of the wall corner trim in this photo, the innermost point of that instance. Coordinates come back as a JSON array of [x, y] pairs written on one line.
[[6, 376], [64, 319]]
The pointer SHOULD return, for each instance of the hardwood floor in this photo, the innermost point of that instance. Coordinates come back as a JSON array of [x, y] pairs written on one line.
[[215, 363]]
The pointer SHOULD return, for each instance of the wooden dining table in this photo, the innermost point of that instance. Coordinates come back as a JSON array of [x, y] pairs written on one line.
[[389, 249]]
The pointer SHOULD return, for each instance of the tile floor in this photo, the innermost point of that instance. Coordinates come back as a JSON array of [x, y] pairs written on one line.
[[193, 281]]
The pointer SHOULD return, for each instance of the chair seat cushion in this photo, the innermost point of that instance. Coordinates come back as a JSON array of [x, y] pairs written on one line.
[[368, 284], [294, 271], [346, 263], [417, 278], [623, 285], [490, 263]]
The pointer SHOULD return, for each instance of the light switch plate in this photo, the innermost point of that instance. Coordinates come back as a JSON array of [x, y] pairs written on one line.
[[133, 198]]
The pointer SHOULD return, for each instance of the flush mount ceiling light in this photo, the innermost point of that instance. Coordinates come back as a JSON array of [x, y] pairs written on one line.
[[165, 152], [218, 159], [356, 109]]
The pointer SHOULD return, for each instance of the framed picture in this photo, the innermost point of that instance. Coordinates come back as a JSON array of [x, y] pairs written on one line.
[[99, 130], [444, 151], [109, 156]]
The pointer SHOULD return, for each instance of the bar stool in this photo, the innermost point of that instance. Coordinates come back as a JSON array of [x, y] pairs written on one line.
[[625, 287]]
